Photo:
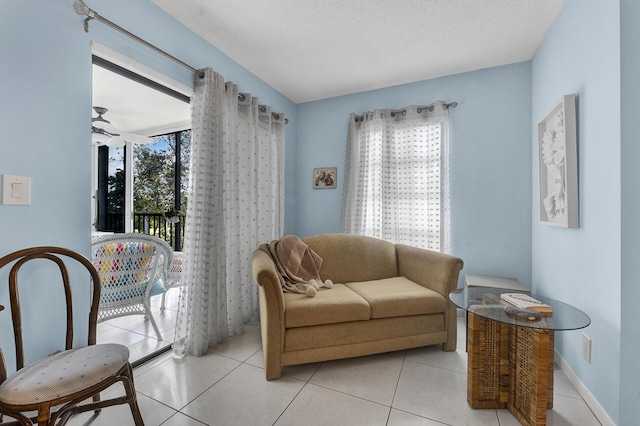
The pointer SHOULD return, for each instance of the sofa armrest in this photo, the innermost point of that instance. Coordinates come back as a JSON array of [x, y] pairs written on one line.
[[431, 269], [438, 272], [272, 310]]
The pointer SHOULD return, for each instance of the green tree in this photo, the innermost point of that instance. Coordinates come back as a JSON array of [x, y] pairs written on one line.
[[115, 194], [154, 174], [152, 180]]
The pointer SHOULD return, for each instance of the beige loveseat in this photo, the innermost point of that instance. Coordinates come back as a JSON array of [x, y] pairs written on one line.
[[385, 298]]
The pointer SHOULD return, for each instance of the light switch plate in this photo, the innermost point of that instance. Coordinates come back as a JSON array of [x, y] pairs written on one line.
[[16, 190]]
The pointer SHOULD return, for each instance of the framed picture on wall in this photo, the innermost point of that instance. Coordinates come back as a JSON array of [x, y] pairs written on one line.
[[558, 165], [324, 177]]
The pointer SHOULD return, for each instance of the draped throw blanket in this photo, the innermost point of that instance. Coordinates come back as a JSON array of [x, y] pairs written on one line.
[[298, 265]]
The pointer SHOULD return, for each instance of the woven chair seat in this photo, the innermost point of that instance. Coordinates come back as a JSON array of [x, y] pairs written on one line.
[[64, 373]]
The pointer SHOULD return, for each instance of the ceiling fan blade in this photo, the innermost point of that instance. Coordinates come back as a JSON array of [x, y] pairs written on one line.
[[116, 141], [104, 125], [100, 138], [137, 139]]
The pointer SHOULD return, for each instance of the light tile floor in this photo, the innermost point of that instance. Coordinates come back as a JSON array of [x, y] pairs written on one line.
[[136, 333], [422, 387]]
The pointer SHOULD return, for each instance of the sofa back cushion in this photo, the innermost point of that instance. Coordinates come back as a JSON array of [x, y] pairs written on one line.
[[347, 257]]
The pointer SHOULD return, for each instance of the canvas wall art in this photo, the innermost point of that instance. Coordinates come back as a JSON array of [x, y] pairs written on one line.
[[557, 165]]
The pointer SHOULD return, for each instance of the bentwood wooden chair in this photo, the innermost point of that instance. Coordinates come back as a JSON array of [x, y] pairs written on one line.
[[55, 386]]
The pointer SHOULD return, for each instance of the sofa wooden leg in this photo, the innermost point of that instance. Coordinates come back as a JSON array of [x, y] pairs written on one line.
[[273, 373], [449, 346]]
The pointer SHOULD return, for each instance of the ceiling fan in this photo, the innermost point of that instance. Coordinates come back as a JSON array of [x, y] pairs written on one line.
[[104, 133]]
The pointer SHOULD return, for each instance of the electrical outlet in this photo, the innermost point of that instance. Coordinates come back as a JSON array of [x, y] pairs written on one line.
[[586, 347]]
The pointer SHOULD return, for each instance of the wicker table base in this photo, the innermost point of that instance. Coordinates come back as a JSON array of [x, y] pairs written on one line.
[[510, 367]]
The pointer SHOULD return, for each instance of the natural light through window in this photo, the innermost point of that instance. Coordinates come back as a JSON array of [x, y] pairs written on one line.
[[395, 178]]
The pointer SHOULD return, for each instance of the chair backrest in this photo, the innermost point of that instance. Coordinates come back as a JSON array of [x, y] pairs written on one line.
[[128, 265], [63, 258]]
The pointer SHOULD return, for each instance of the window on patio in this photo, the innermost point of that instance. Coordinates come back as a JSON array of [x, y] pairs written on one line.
[[160, 181], [141, 186]]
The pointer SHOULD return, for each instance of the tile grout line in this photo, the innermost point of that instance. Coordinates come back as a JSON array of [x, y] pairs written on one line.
[[395, 391]]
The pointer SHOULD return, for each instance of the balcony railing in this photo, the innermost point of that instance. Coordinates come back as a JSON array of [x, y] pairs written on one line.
[[151, 224], [157, 225]]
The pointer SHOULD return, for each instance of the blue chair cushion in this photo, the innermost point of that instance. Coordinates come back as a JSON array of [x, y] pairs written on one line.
[[157, 288]]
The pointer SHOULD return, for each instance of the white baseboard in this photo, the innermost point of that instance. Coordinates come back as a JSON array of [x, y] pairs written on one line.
[[589, 399]]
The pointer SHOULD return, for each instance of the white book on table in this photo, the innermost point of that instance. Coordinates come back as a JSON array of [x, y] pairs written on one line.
[[524, 301]]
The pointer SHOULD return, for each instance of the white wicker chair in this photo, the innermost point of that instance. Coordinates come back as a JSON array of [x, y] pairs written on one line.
[[130, 266], [174, 277]]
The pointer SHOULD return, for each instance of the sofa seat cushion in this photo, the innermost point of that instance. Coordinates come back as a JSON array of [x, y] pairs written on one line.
[[399, 296], [338, 304]]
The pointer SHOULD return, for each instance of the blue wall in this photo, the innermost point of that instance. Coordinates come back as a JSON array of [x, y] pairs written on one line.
[[581, 55], [490, 162], [45, 111], [45, 108], [630, 153]]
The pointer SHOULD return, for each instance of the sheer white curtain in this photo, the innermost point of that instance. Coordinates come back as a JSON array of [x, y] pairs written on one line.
[[396, 176], [235, 201]]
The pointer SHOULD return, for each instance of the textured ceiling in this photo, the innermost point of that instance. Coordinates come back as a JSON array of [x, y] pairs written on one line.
[[311, 49]]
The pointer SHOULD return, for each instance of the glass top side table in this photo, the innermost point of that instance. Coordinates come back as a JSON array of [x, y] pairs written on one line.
[[486, 302], [510, 360]]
